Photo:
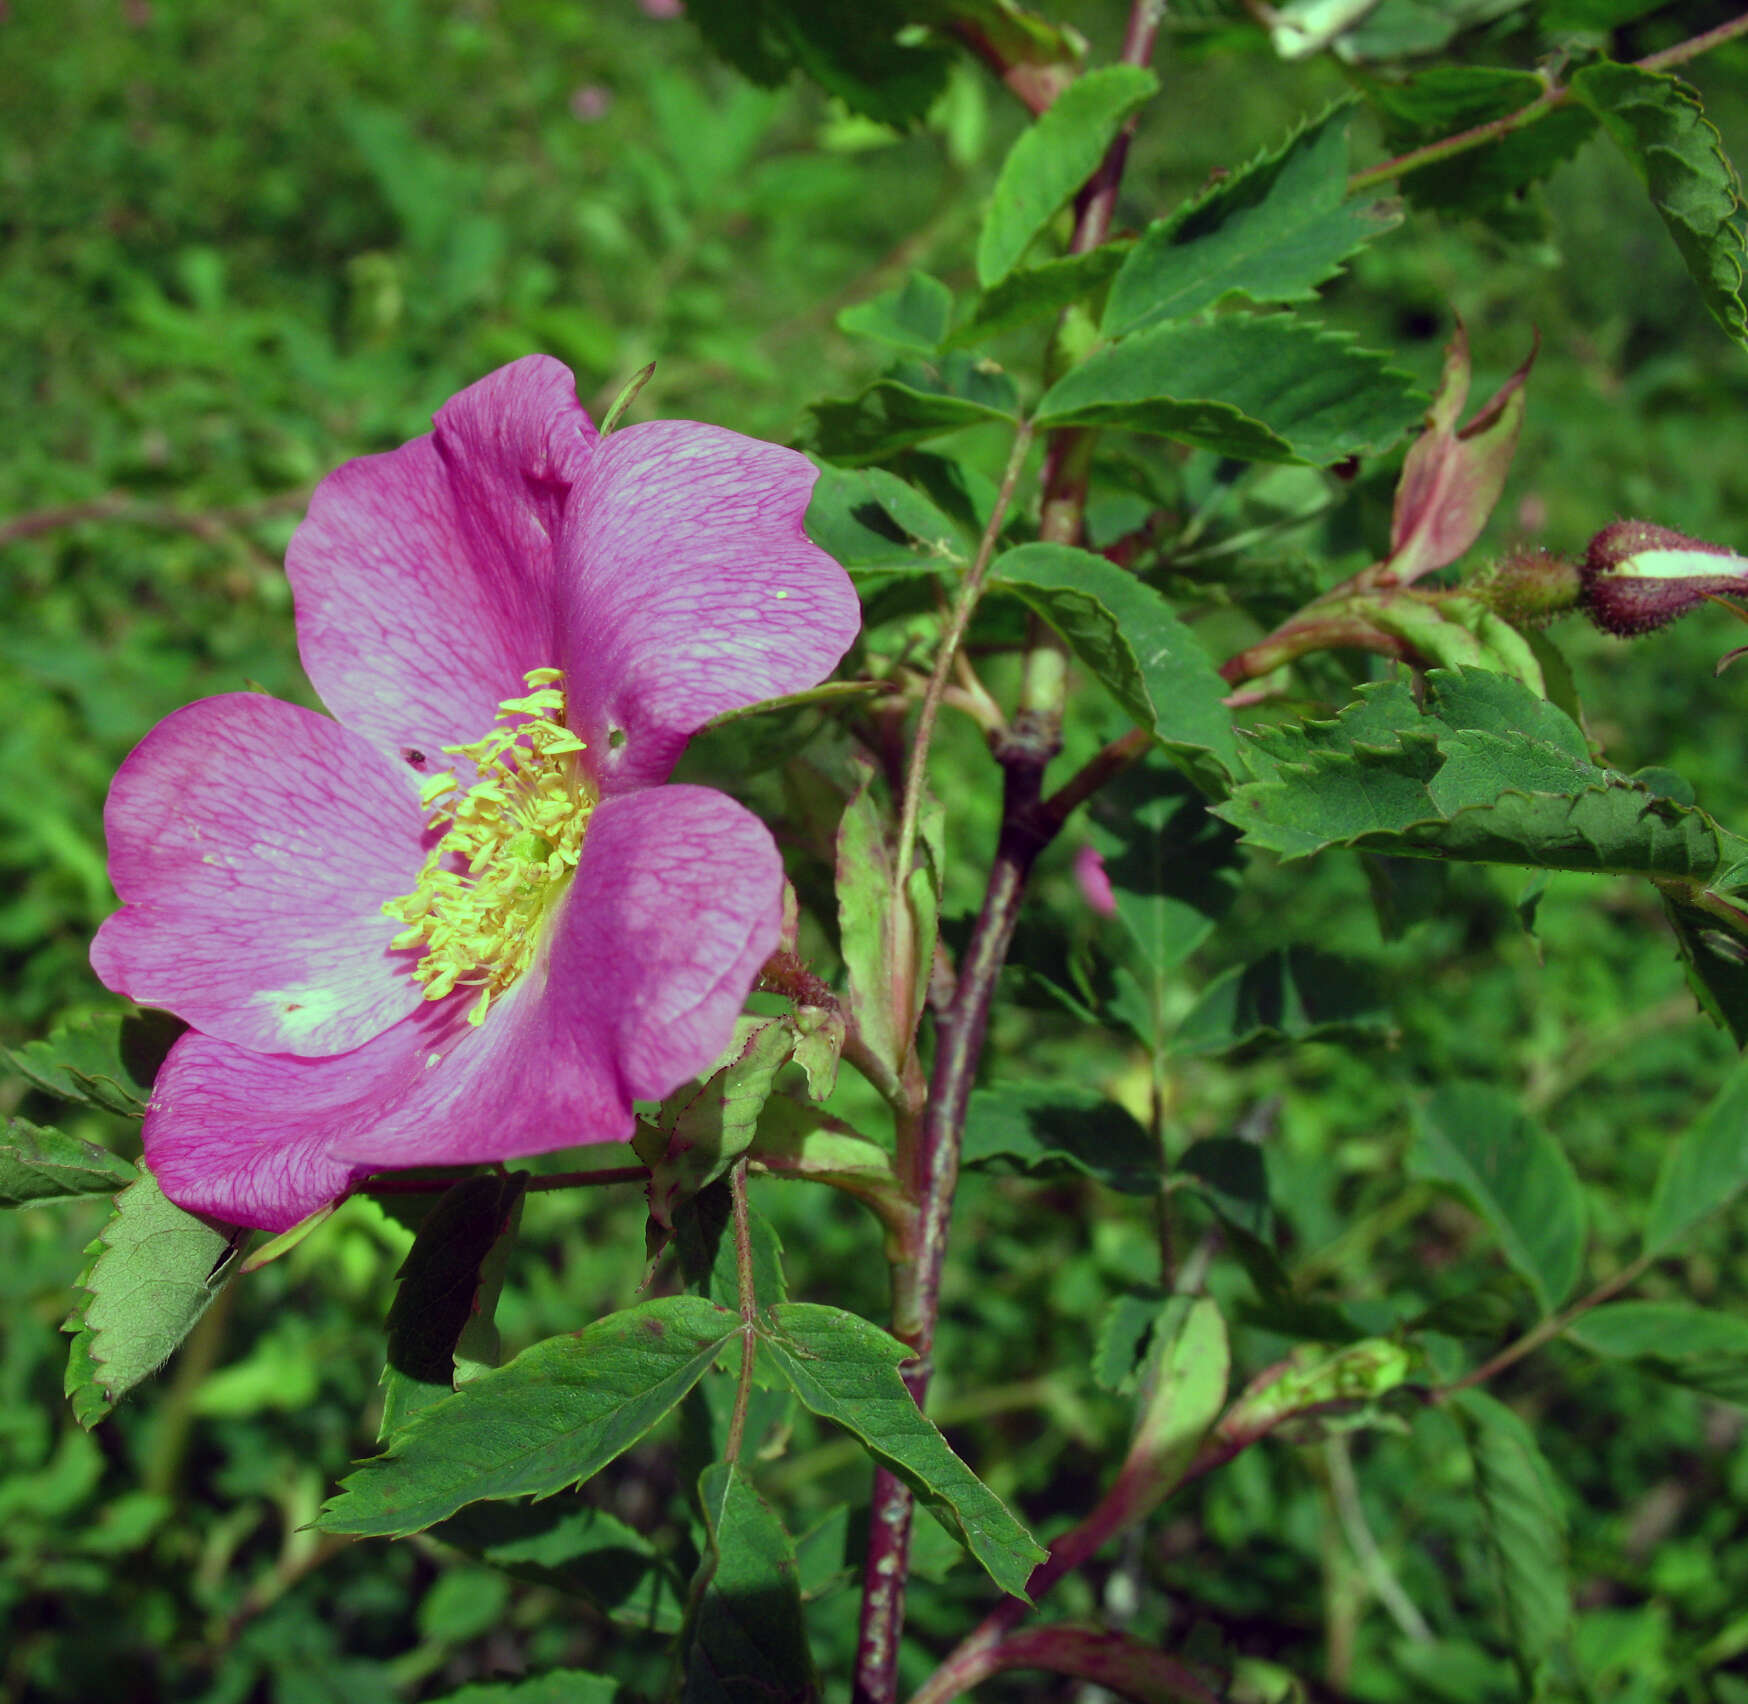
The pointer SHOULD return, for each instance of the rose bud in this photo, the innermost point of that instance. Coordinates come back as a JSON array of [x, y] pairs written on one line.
[[1638, 576]]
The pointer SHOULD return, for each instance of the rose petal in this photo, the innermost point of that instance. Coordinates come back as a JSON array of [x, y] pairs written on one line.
[[253, 844], [424, 577], [676, 904], [694, 591]]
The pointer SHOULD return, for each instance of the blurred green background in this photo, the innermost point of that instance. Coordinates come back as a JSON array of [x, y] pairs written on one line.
[[242, 243]]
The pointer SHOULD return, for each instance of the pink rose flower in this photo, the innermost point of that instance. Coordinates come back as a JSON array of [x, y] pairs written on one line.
[[465, 918]]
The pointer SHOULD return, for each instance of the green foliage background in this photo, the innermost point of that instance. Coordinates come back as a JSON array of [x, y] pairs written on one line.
[[245, 242]]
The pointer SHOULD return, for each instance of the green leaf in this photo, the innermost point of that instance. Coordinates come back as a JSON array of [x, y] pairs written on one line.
[[1706, 1170], [1523, 1520], [556, 1686], [1271, 232], [1292, 994], [439, 1295], [1701, 1348], [1390, 777], [1266, 388], [39, 1164], [581, 1551], [1125, 632], [107, 1061], [555, 1415], [1714, 952], [1173, 875], [1512, 1172], [1038, 292], [1657, 122], [704, 1241], [869, 520], [911, 404], [1184, 1390], [846, 1370], [912, 316], [1318, 1392], [747, 1642], [888, 945], [851, 48], [155, 1271], [1489, 180], [1448, 98], [1125, 1333], [1053, 158], [700, 1130], [1053, 1130], [1233, 1174]]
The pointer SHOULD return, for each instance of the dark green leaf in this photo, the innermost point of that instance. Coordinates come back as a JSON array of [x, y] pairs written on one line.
[[1675, 149], [106, 1061], [704, 1241], [912, 316], [1714, 950], [1525, 1526], [1173, 875], [1515, 1175], [913, 403], [1292, 994], [1051, 1130], [1233, 1173], [582, 1551], [552, 1417], [851, 48], [1271, 232], [440, 1291], [1037, 292], [1702, 1348], [1125, 632], [747, 1642], [869, 519], [42, 1164], [846, 1370], [1706, 1169], [1449, 98], [1052, 159], [1265, 388], [155, 1272]]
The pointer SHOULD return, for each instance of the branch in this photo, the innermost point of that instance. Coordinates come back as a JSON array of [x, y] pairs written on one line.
[[1555, 95], [1116, 1661]]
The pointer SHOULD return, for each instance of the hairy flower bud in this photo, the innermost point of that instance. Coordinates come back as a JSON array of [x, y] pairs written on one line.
[[1529, 587], [1638, 576]]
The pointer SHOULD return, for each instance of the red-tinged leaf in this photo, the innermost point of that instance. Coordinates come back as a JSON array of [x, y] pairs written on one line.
[[1452, 478]]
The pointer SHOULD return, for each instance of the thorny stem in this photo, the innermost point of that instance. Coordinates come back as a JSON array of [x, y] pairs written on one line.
[[1554, 96], [929, 1148], [749, 1308]]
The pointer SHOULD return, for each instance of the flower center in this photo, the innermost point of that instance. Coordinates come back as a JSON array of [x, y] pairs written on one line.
[[509, 847]]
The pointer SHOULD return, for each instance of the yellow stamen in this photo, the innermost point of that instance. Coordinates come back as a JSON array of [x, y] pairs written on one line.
[[510, 843]]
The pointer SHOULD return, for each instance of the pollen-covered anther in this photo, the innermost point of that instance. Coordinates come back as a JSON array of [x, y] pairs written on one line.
[[509, 846]]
